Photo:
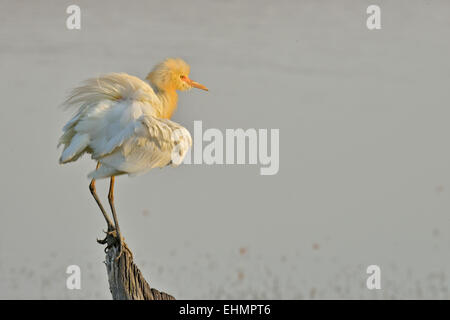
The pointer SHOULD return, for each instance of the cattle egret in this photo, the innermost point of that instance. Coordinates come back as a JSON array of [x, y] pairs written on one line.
[[123, 122]]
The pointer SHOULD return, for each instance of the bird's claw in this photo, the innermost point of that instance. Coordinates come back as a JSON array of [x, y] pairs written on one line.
[[105, 240], [111, 240], [101, 241]]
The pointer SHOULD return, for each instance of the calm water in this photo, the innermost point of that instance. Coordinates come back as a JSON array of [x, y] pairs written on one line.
[[364, 159]]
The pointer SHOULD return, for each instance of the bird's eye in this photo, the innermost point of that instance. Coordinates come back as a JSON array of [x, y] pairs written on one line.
[[182, 77]]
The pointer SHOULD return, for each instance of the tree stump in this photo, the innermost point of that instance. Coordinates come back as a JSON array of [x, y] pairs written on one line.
[[126, 281]]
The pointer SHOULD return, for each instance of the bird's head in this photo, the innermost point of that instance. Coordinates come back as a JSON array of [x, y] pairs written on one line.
[[173, 74]]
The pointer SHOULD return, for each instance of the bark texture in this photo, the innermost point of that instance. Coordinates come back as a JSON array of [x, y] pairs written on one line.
[[126, 281]]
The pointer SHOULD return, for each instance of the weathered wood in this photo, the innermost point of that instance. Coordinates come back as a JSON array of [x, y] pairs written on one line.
[[126, 281]]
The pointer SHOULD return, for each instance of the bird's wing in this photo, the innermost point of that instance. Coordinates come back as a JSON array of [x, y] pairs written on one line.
[[110, 87], [148, 143], [108, 109]]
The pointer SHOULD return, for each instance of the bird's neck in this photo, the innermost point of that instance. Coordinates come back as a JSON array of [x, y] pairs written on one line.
[[169, 100]]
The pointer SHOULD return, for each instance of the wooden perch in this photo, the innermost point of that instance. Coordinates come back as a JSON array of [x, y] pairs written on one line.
[[126, 281]]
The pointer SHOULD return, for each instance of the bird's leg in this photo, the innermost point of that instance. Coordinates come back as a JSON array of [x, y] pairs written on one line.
[[116, 222], [105, 215]]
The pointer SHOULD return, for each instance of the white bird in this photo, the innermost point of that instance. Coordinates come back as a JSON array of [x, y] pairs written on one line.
[[123, 122]]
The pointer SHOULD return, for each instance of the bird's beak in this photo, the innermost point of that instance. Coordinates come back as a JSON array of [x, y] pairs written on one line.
[[195, 84]]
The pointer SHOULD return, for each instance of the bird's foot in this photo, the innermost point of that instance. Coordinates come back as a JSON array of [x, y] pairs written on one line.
[[110, 232], [111, 240]]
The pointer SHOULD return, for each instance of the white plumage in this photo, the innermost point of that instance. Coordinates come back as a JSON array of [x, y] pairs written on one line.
[[119, 122]]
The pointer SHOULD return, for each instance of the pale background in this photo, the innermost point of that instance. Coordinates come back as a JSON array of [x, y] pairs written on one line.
[[364, 153]]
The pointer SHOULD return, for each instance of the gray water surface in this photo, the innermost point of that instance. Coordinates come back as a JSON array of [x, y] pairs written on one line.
[[364, 155]]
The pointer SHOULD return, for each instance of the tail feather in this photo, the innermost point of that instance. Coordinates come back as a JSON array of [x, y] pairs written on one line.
[[75, 149], [104, 172]]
